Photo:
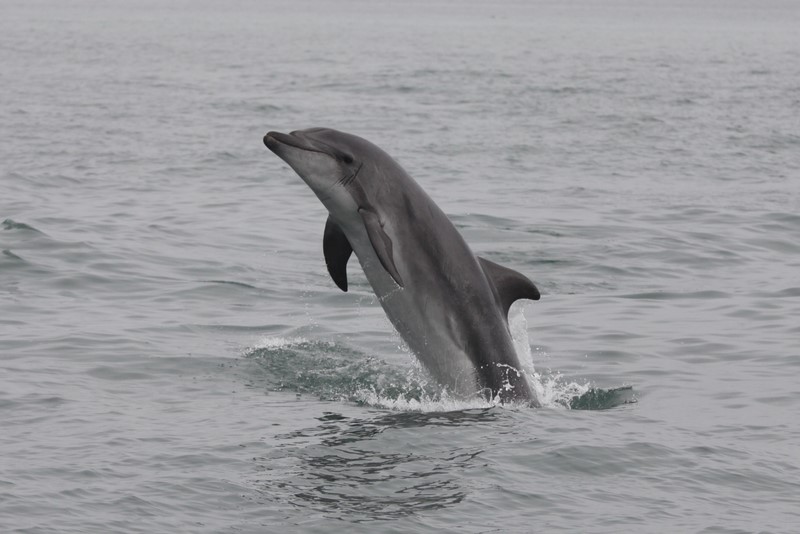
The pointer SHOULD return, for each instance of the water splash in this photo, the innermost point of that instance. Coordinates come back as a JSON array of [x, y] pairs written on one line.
[[552, 390], [440, 402], [335, 372], [276, 343]]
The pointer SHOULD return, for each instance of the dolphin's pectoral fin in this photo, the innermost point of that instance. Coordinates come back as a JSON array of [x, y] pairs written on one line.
[[510, 284], [337, 251], [381, 243]]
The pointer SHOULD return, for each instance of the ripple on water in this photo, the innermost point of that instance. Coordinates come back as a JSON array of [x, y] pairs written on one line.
[[10, 224], [363, 469]]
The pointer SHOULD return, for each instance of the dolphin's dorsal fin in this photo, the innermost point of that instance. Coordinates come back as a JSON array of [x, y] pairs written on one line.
[[337, 251], [510, 284], [381, 243]]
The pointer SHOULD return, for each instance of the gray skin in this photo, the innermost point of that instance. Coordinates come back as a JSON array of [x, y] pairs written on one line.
[[449, 306]]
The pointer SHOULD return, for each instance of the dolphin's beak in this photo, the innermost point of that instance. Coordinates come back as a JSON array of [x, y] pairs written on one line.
[[277, 142], [275, 139]]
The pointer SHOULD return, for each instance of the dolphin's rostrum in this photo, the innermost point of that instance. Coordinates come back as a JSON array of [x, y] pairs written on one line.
[[450, 306]]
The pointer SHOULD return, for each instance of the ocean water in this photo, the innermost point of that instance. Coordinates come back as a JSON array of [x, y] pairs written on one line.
[[175, 358]]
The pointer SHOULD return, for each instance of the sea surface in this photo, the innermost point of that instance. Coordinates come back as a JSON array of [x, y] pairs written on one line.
[[175, 358]]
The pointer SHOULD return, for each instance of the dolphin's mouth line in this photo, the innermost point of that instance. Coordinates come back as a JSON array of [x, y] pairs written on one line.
[[290, 140]]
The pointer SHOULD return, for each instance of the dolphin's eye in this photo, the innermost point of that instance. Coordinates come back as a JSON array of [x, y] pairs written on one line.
[[347, 158]]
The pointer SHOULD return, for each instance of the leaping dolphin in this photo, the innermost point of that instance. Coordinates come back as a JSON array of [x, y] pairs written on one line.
[[449, 306]]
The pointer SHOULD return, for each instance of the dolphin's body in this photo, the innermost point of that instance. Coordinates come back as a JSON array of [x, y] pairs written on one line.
[[450, 306]]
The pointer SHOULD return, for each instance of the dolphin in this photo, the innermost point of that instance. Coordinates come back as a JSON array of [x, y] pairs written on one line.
[[448, 305]]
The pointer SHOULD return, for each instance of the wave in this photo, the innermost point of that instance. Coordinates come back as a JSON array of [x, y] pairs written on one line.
[[335, 372]]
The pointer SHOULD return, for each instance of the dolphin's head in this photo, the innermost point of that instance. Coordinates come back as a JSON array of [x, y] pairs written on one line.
[[327, 160]]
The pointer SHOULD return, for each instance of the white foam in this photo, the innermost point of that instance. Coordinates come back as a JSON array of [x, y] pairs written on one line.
[[551, 390], [443, 402], [277, 342]]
